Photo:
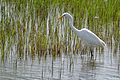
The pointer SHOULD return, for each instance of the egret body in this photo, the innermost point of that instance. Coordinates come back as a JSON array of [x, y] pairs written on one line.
[[88, 37]]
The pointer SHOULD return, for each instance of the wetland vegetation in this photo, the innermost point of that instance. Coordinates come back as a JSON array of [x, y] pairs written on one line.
[[29, 29]]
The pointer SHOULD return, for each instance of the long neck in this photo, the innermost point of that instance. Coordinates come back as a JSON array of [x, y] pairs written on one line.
[[71, 25]]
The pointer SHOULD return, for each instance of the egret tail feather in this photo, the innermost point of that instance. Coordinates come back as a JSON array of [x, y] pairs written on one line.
[[103, 43]]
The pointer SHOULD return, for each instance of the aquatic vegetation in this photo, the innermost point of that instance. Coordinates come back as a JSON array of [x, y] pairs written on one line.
[[30, 26]]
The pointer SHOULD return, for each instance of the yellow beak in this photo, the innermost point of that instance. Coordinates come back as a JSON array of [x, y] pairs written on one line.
[[60, 18]]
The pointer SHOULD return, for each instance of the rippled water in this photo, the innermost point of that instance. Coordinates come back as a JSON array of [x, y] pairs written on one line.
[[64, 67]]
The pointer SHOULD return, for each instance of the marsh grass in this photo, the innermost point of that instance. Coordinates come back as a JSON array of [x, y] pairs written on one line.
[[30, 27]]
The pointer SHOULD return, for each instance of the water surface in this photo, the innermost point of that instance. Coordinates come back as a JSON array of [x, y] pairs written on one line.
[[64, 67]]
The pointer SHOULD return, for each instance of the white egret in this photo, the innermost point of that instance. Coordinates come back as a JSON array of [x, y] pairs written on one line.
[[88, 37]]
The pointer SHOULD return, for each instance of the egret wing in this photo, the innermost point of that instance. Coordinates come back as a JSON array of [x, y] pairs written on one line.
[[89, 37]]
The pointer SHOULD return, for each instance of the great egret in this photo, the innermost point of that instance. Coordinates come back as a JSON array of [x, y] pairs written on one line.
[[88, 37]]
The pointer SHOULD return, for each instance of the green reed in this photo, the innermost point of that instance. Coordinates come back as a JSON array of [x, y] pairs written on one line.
[[24, 24]]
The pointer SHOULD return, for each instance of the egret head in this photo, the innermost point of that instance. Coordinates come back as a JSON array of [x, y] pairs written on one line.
[[66, 15]]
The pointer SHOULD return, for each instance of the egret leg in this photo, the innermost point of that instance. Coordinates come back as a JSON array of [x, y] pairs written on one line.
[[83, 50], [91, 51]]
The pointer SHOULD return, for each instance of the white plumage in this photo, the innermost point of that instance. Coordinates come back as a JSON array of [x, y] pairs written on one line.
[[88, 37]]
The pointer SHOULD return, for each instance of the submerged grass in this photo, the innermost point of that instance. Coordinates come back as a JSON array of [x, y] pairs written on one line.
[[31, 25]]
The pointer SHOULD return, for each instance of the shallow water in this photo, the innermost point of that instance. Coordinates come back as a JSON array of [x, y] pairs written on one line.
[[64, 67]]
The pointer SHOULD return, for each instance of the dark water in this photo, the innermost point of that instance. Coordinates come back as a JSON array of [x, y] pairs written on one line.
[[65, 67]]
